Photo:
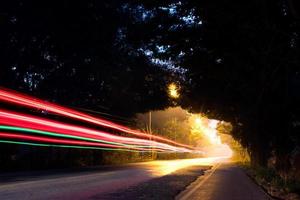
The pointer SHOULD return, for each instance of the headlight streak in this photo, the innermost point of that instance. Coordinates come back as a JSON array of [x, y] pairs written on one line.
[[24, 100], [63, 141], [27, 130], [30, 122], [31, 129], [67, 146]]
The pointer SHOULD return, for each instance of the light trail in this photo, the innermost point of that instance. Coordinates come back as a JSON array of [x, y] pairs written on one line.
[[64, 141], [24, 100], [30, 122], [65, 146], [27, 130]]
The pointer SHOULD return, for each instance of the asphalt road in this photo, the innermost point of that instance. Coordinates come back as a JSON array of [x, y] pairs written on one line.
[[223, 182], [86, 184]]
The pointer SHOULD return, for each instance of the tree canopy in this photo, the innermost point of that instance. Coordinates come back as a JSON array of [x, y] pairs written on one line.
[[236, 61]]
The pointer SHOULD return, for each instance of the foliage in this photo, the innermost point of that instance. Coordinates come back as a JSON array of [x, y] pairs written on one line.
[[272, 182], [236, 61]]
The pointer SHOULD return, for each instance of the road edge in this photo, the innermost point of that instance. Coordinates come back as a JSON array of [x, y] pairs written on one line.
[[190, 189]]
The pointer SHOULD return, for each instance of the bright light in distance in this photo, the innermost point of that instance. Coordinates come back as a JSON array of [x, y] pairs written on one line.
[[198, 121], [173, 91], [219, 150], [207, 127], [213, 124]]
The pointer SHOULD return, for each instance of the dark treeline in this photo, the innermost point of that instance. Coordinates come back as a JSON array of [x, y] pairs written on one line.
[[234, 60]]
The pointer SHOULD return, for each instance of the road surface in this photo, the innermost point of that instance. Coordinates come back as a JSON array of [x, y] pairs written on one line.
[[85, 185], [224, 182]]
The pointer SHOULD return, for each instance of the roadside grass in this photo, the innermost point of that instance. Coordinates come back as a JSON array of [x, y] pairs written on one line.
[[272, 182]]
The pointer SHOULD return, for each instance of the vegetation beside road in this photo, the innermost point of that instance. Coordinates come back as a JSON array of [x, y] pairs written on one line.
[[278, 187]]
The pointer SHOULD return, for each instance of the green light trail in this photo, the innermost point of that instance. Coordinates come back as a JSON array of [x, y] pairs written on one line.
[[66, 146], [13, 128]]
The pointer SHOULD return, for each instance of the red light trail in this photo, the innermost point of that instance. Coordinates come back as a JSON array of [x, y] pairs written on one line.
[[35, 131], [27, 121], [68, 146], [24, 100], [29, 129], [59, 141]]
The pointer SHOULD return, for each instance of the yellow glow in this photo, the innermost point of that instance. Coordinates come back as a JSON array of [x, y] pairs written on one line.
[[207, 127], [198, 121], [161, 168], [173, 90]]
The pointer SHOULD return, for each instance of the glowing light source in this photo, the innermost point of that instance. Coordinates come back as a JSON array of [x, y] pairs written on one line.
[[198, 121], [173, 91], [208, 127]]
